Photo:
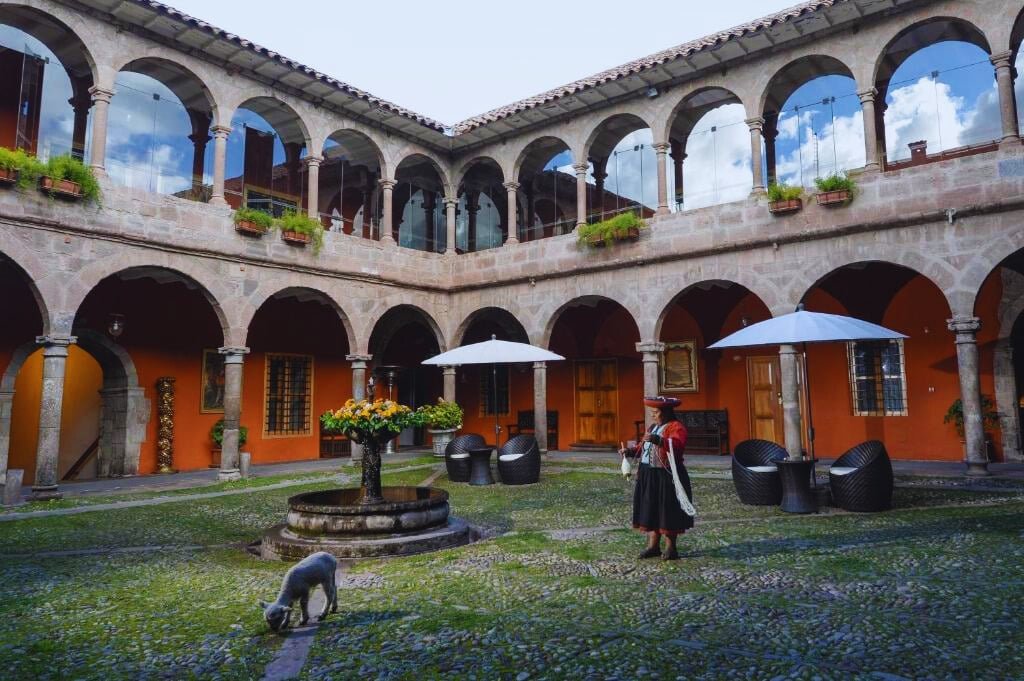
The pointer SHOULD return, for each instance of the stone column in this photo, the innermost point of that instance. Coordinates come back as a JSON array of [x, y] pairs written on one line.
[[770, 131], [581, 193], [867, 105], [1007, 98], [450, 205], [1006, 401], [365, 229], [359, 364], [661, 151], [386, 223], [233, 358], [540, 405], [512, 188], [678, 156], [449, 383], [966, 330], [651, 351], [313, 187], [101, 107], [81, 102], [220, 155], [756, 125], [6, 404], [789, 362], [55, 356], [472, 208]]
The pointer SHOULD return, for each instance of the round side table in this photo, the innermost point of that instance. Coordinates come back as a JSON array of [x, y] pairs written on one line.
[[480, 466], [796, 486]]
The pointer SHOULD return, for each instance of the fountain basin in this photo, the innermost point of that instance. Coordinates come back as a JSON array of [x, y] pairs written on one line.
[[409, 520]]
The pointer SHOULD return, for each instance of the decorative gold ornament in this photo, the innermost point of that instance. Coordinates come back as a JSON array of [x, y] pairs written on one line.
[[165, 424]]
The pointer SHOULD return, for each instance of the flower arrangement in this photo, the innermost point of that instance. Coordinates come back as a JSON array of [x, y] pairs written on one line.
[[61, 170], [836, 189], [21, 168], [442, 416], [308, 229], [379, 420], [619, 228], [259, 218]]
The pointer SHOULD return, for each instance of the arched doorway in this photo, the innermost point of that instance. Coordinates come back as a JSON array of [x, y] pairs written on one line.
[[547, 181]]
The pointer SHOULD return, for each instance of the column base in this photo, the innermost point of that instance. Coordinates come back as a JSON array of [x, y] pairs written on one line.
[[1009, 142], [229, 474], [977, 469], [662, 210], [218, 201], [46, 493], [511, 241]]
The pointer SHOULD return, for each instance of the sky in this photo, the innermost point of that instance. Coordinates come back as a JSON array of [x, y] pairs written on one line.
[[453, 59]]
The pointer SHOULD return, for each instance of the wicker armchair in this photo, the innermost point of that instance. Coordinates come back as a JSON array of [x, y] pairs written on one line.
[[755, 474], [861, 479], [519, 461], [456, 455]]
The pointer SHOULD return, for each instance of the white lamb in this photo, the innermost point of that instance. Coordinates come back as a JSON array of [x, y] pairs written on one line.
[[315, 569]]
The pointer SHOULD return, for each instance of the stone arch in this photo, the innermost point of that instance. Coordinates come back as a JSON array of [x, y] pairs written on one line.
[[388, 317], [185, 83], [502, 317], [553, 317], [537, 148], [365, 145], [918, 35], [665, 302], [702, 100], [74, 55], [30, 283], [794, 75], [904, 268], [974, 277], [303, 293], [281, 115], [465, 168], [603, 136]]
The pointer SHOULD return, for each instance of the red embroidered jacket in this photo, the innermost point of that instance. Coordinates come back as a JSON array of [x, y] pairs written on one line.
[[674, 431]]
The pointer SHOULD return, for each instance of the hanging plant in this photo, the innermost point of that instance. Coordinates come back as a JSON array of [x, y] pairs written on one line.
[[67, 177], [784, 198], [836, 189], [300, 229], [253, 221]]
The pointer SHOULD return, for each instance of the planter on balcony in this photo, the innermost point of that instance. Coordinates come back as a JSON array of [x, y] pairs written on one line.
[[9, 176], [60, 188], [836, 198], [596, 241], [294, 238], [631, 234], [249, 228], [785, 206]]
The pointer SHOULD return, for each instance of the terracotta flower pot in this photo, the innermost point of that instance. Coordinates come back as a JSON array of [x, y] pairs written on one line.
[[9, 176], [785, 207], [596, 241], [295, 238], [62, 188], [249, 228], [631, 234], [839, 198]]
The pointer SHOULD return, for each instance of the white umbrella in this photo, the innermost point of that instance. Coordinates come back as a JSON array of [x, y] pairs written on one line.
[[493, 352], [803, 327]]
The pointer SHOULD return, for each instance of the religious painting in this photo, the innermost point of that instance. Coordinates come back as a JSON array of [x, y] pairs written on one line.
[[679, 367], [213, 383]]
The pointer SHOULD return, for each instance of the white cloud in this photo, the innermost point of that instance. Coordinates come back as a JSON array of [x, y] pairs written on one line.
[[836, 146], [717, 167]]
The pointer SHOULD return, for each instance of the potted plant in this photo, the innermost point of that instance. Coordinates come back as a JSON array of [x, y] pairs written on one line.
[[622, 227], [835, 190], [217, 435], [300, 229], [442, 420], [67, 177], [252, 222], [19, 168], [989, 418], [372, 425], [784, 198]]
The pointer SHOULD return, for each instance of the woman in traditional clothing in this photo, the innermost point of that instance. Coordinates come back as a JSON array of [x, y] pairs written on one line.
[[657, 508]]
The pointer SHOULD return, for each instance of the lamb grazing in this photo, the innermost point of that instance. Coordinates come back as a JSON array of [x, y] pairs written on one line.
[[315, 569]]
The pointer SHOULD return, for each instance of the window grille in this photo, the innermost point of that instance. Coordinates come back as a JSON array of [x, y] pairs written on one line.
[[487, 392], [289, 381], [878, 378]]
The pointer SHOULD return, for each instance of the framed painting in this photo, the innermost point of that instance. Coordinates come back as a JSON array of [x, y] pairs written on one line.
[[679, 367], [212, 401]]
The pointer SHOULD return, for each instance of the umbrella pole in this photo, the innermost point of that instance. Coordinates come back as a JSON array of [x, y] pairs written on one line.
[[810, 418], [494, 390]]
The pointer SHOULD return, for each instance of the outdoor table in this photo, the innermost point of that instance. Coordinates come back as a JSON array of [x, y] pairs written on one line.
[[480, 466], [796, 486]]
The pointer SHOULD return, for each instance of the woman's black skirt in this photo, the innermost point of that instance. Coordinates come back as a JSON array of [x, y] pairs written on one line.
[[655, 507]]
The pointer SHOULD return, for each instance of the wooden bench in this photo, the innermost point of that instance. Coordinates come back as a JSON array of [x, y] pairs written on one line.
[[524, 424], [707, 430]]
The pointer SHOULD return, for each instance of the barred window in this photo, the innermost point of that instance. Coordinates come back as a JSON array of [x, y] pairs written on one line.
[[878, 378], [487, 396], [289, 396]]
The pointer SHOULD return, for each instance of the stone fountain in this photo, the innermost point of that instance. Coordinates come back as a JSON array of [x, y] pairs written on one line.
[[370, 521]]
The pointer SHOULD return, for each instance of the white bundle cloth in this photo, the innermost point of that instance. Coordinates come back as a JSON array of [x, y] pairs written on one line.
[[684, 501], [626, 468]]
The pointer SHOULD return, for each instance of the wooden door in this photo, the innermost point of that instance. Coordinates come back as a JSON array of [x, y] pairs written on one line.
[[764, 397], [597, 402]]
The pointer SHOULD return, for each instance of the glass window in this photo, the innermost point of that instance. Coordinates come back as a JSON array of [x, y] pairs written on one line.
[[878, 378], [289, 393], [489, 396]]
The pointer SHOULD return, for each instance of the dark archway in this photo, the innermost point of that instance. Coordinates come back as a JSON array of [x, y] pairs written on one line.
[[547, 182], [348, 190], [482, 217], [418, 198]]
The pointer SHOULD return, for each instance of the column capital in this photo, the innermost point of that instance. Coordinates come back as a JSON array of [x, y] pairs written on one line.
[[1002, 59], [448, 369], [101, 94], [358, 358], [386, 184], [581, 168], [221, 131], [56, 340], [540, 366], [867, 95], [233, 354], [312, 161], [964, 326], [512, 186], [650, 347], [450, 202], [662, 147], [756, 123]]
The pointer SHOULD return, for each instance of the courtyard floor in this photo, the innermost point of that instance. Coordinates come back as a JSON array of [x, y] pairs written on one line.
[[159, 584]]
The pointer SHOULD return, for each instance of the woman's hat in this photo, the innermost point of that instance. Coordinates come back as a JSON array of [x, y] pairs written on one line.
[[661, 402]]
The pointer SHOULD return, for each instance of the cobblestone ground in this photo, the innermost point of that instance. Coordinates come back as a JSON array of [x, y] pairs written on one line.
[[932, 589]]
